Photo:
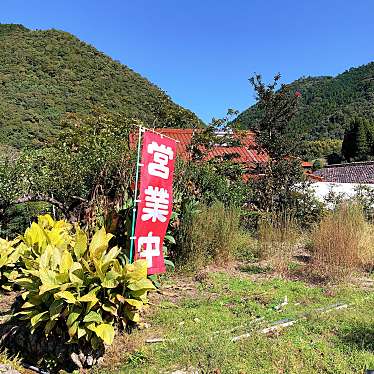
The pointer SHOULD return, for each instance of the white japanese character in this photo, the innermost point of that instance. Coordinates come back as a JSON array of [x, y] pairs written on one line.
[[156, 204], [152, 247], [161, 157]]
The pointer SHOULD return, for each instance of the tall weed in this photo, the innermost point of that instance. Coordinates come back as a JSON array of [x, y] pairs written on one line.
[[343, 242], [278, 235], [13, 362], [210, 234]]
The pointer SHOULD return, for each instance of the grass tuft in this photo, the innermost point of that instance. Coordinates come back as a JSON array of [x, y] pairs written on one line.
[[212, 235], [342, 243], [278, 234], [13, 361]]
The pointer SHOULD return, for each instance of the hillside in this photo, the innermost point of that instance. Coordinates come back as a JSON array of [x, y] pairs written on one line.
[[46, 74], [328, 103]]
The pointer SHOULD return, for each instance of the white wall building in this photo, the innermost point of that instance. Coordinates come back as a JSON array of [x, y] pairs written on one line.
[[348, 190]]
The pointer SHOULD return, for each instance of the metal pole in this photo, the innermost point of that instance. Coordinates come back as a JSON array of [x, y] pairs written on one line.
[[132, 238], [158, 133]]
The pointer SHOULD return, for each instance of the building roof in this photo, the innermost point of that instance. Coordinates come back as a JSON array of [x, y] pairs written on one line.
[[307, 164], [313, 177], [355, 172], [245, 153]]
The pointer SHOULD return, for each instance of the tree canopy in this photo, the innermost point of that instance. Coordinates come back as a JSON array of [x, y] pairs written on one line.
[[87, 171], [274, 136], [327, 104], [358, 143], [45, 75]]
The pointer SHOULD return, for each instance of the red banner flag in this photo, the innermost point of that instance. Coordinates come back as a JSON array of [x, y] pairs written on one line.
[[155, 199]]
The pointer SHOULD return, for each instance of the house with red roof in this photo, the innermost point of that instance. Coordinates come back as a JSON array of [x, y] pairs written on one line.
[[245, 153]]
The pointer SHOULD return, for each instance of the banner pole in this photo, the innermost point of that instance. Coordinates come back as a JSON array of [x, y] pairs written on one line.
[[158, 133], [132, 238]]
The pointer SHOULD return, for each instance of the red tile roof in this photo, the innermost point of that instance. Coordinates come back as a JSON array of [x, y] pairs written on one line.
[[307, 164], [313, 177], [245, 153]]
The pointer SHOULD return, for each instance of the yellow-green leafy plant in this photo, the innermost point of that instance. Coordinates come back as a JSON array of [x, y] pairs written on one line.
[[9, 258], [76, 285]]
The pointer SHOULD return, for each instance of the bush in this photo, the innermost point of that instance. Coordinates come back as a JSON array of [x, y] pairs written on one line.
[[365, 197], [75, 285], [342, 242], [318, 164], [210, 234], [209, 183], [367, 248], [306, 209], [16, 219]]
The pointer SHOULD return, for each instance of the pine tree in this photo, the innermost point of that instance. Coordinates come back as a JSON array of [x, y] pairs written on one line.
[[370, 129], [358, 143], [362, 144], [349, 141]]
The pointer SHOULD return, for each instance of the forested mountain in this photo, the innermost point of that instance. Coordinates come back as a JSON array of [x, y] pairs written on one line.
[[46, 74], [328, 104]]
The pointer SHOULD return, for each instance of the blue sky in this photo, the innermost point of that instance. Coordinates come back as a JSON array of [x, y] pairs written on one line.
[[202, 52]]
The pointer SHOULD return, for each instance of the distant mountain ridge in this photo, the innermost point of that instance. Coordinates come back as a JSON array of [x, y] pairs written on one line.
[[46, 74], [327, 104]]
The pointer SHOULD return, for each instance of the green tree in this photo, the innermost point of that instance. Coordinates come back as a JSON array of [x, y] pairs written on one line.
[[280, 142], [358, 143], [86, 174], [328, 103], [317, 165], [362, 141], [45, 75], [323, 148]]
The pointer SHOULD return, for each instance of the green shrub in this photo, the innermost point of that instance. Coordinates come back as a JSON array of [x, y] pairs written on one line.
[[210, 234], [318, 164], [365, 198], [16, 219], [208, 183], [306, 209], [77, 285]]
